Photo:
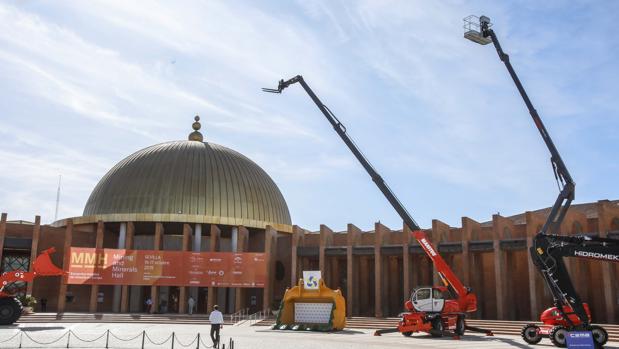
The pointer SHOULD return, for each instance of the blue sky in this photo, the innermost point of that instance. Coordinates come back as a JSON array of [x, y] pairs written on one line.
[[85, 84]]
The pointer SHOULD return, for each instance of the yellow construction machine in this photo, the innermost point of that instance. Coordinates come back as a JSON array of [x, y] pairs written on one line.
[[311, 309]]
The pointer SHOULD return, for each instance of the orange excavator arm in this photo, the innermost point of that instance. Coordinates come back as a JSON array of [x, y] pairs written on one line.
[[42, 266]]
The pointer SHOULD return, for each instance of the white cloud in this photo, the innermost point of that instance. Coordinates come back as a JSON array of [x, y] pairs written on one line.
[[429, 108]]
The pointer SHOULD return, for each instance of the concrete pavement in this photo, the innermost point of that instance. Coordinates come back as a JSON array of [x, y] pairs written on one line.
[[244, 337]]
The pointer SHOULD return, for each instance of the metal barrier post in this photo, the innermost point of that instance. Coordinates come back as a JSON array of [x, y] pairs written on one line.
[[68, 338], [198, 344], [107, 338], [143, 337], [172, 340], [21, 334]]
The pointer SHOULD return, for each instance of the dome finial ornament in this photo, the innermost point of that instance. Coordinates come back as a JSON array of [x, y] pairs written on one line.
[[196, 135]]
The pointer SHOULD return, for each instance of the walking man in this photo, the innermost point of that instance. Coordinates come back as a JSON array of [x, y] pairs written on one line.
[[191, 304], [217, 322]]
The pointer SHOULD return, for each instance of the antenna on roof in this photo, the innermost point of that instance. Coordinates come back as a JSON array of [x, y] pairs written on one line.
[[57, 198]]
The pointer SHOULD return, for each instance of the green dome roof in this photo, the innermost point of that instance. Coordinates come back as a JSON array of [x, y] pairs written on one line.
[[189, 181]]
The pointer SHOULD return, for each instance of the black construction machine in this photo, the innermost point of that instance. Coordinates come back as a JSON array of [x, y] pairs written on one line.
[[549, 248]]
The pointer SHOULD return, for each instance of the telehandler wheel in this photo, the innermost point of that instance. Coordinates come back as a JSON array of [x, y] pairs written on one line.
[[530, 334], [600, 336], [460, 326], [10, 310], [437, 327], [558, 336], [407, 334]]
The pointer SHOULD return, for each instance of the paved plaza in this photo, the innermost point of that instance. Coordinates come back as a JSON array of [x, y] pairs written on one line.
[[244, 337]]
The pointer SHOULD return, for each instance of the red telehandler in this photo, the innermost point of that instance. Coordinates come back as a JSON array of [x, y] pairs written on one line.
[[438, 310], [10, 306], [569, 313]]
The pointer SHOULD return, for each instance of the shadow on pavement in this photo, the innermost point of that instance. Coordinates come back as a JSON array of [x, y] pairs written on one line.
[[346, 332], [33, 329], [509, 341]]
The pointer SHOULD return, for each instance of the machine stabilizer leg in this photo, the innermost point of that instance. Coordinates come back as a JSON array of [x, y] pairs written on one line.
[[479, 330], [386, 330]]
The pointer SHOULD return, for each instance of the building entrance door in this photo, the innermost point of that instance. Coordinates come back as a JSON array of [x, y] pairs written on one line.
[[202, 301], [173, 295]]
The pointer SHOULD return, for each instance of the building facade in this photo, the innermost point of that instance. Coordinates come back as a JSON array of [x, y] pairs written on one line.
[[194, 195], [377, 270]]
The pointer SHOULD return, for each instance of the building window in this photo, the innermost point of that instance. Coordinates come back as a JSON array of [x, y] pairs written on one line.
[[11, 262], [280, 271]]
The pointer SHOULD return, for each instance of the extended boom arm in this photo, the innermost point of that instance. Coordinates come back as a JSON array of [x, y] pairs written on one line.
[[446, 274], [341, 131], [566, 196], [549, 248]]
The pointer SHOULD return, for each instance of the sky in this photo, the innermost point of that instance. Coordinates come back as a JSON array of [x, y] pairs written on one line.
[[83, 84]]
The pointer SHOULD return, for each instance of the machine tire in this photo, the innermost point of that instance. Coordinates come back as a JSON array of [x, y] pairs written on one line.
[[530, 334], [10, 310], [558, 336], [407, 334], [600, 336], [437, 327], [460, 326]]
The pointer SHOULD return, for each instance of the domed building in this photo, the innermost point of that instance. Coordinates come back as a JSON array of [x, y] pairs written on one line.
[[189, 195], [196, 196], [188, 181]]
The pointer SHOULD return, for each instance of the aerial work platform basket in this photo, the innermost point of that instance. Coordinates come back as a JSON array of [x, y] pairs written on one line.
[[473, 30], [307, 309]]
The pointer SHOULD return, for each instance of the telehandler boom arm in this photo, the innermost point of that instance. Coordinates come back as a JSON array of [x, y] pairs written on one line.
[[566, 196], [447, 275], [549, 247]]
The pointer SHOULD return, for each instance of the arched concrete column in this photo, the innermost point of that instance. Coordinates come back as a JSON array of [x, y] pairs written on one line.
[[500, 227], [124, 299], [34, 247], [196, 246], [157, 242], [352, 290], [380, 232], [407, 261], [122, 237], [242, 241], [2, 232], [214, 247], [326, 239], [297, 240], [62, 292], [94, 289], [182, 294], [270, 249]]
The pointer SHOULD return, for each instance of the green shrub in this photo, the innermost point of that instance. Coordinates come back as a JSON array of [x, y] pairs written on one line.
[[28, 300]]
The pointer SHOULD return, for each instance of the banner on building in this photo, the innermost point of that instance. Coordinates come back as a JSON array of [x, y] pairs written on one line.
[[165, 268], [311, 278]]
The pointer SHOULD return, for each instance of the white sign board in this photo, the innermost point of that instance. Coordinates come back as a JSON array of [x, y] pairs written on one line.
[[312, 313], [310, 279]]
